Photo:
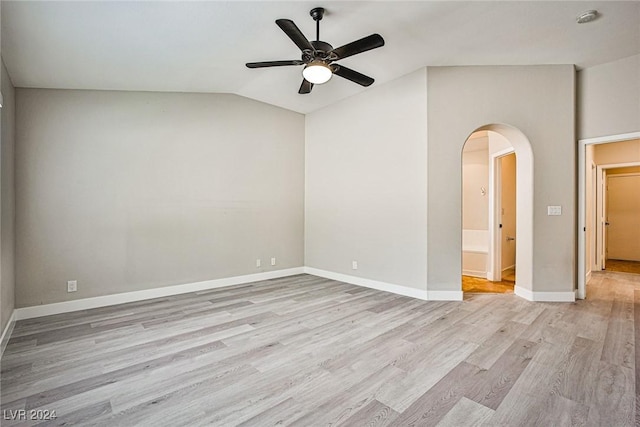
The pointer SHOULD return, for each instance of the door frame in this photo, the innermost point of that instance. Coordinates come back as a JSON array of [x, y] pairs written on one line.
[[601, 209], [494, 272], [601, 216], [582, 200], [603, 204]]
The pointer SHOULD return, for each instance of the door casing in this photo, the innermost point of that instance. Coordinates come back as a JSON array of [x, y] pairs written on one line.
[[582, 196]]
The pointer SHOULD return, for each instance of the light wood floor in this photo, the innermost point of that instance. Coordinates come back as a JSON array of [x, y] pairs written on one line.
[[623, 266], [478, 285], [307, 351]]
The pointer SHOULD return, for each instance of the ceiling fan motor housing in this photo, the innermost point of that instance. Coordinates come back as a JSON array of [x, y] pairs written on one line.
[[322, 49]]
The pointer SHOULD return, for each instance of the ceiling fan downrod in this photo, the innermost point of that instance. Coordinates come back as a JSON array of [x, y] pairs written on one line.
[[317, 13]]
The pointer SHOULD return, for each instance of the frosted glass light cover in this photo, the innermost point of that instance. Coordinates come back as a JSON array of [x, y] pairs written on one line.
[[317, 73]]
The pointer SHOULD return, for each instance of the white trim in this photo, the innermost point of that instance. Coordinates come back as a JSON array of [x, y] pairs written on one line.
[[545, 296], [524, 204], [6, 333], [523, 293], [504, 152], [610, 138], [582, 219], [622, 175], [495, 243], [368, 283], [474, 273], [106, 300], [605, 166], [582, 200], [445, 295], [507, 268]]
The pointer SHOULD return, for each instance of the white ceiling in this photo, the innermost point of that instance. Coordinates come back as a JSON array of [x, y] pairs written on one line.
[[203, 46]]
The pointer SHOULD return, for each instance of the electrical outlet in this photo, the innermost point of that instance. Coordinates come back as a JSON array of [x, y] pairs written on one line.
[[354, 265], [72, 285], [273, 261], [258, 263]]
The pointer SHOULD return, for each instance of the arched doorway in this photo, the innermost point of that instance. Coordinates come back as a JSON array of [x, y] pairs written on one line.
[[494, 236], [488, 214]]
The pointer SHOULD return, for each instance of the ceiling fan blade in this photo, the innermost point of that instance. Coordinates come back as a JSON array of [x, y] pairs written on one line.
[[354, 76], [364, 44], [294, 34], [305, 87], [274, 63]]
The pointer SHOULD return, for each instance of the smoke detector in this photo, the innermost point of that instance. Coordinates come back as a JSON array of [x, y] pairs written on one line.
[[587, 16]]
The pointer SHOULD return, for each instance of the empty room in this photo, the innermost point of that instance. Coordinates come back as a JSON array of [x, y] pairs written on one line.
[[224, 213]]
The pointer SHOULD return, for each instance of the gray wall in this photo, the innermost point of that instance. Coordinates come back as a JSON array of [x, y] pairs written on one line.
[[126, 191], [366, 184], [540, 102], [7, 200], [609, 98]]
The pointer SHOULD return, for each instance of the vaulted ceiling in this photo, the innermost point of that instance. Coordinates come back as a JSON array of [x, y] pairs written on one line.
[[202, 46]]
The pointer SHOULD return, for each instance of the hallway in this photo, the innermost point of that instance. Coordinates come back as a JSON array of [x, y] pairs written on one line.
[[477, 285], [621, 266]]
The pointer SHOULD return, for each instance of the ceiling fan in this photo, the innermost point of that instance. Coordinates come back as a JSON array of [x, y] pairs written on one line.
[[318, 56]]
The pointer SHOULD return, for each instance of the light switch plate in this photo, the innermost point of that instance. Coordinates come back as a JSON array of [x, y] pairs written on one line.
[[554, 210]]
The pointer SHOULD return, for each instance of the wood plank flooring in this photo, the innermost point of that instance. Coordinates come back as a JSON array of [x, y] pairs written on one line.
[[307, 351], [476, 285], [623, 266]]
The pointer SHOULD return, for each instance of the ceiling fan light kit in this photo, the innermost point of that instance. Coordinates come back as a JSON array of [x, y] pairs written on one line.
[[317, 72], [318, 57]]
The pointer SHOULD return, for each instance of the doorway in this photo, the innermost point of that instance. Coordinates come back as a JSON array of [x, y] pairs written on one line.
[[600, 159], [506, 252], [488, 214], [620, 219]]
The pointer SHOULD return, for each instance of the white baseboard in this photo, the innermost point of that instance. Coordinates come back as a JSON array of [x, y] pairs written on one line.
[[523, 293], [507, 268], [587, 277], [387, 287], [545, 296], [475, 273], [103, 301], [445, 295], [107, 300], [6, 333], [368, 283]]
